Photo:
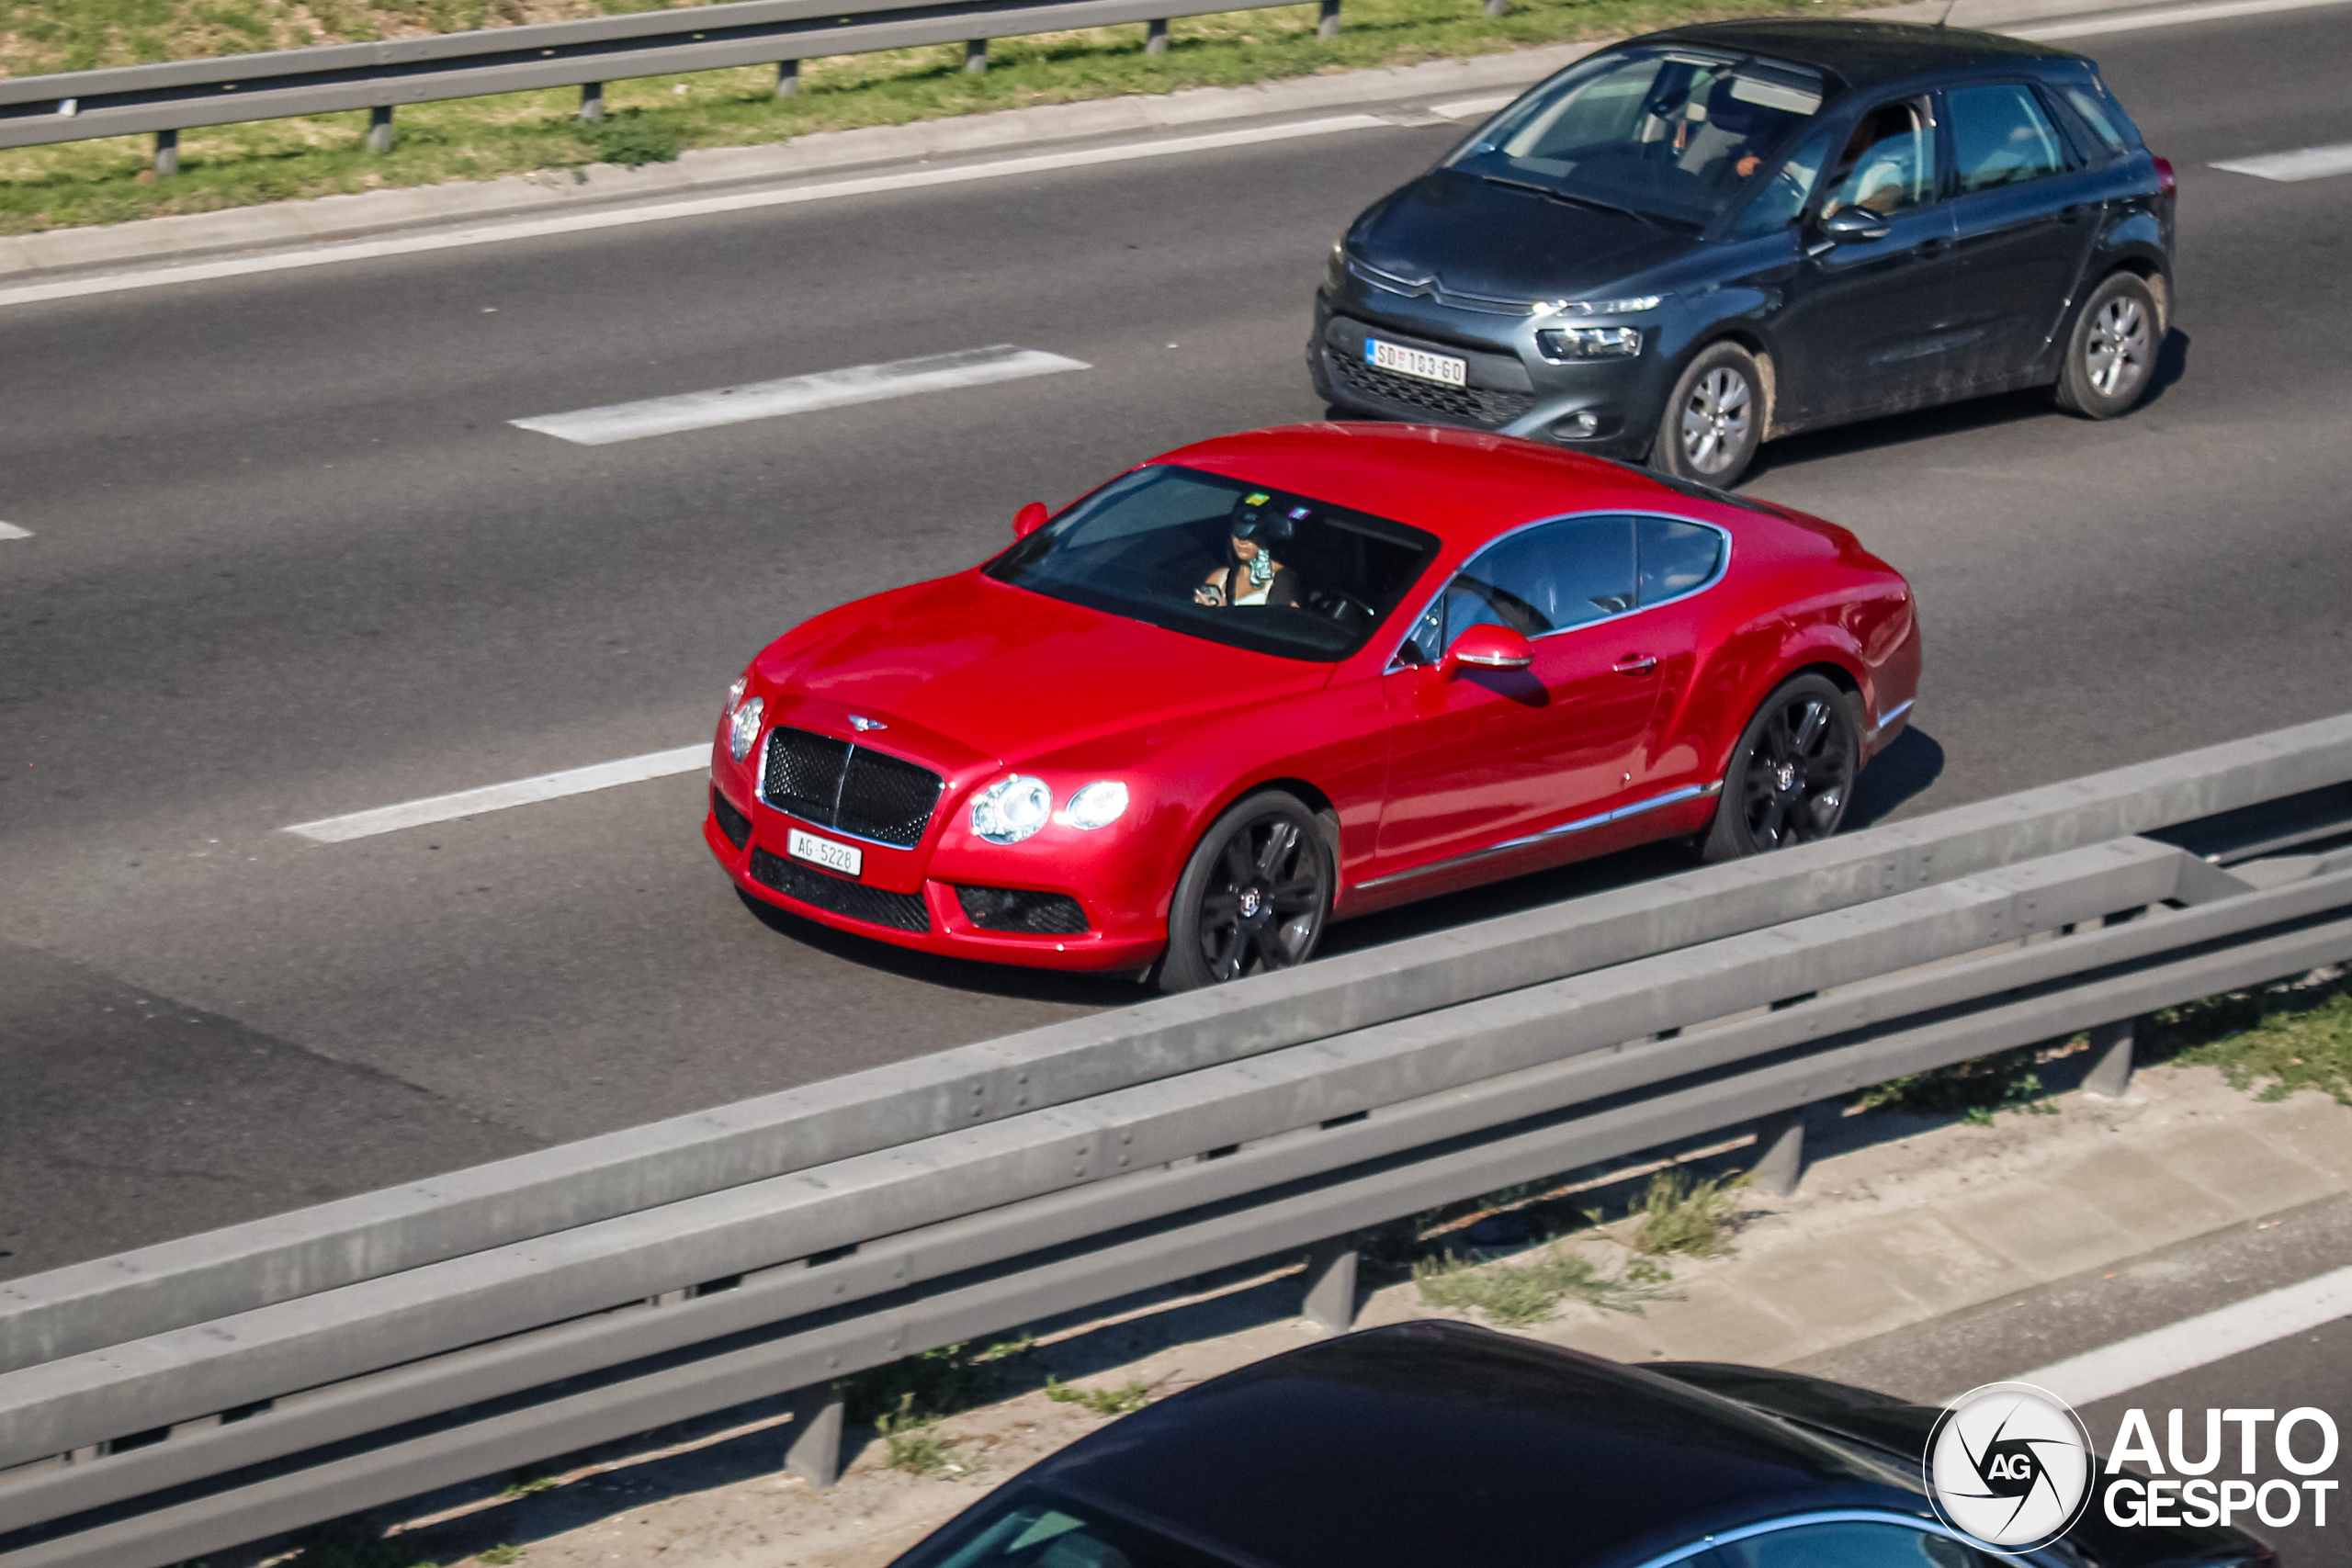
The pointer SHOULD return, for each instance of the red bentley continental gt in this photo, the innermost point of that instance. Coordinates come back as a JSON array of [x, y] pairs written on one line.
[[1279, 678]]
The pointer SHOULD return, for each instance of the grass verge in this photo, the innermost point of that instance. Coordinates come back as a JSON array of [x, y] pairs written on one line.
[[1521, 1292], [652, 119], [2270, 1043]]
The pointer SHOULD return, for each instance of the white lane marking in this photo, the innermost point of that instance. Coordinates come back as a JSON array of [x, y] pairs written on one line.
[[662, 212], [10, 531], [2183, 1346], [2216, 10], [1465, 108], [800, 394], [2302, 163], [498, 798]]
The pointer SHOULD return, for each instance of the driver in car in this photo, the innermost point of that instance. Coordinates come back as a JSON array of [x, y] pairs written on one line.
[[1251, 574]]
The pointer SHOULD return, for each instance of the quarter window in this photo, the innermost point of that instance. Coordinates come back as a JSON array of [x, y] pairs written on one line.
[[2001, 137], [1674, 558], [1889, 164]]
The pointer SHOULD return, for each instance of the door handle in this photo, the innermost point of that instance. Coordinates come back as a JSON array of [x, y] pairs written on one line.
[[1635, 664]]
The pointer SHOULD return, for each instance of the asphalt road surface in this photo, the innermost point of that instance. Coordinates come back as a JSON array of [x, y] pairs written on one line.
[[288, 560]]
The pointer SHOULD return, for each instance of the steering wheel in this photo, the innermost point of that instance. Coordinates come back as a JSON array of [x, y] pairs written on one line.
[[1344, 608]]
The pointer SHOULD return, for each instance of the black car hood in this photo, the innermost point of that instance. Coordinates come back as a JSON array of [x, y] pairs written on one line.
[[1477, 237]]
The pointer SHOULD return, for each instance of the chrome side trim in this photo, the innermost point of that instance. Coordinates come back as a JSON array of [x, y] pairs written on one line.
[[1581, 825], [1925, 1523], [1884, 719], [1723, 566]]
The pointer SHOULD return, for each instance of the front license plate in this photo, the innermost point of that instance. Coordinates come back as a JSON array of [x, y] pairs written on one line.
[[842, 858], [1442, 369]]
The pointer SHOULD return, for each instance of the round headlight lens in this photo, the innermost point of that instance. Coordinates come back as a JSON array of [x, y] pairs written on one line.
[[744, 727], [1098, 805], [1012, 809]]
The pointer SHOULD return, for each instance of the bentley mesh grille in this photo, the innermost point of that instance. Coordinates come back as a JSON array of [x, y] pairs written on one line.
[[837, 896], [1020, 909], [732, 822], [836, 784]]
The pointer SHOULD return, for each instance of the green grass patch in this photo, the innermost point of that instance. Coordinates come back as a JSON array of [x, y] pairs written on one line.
[[1679, 1214], [910, 1441], [1524, 1292], [1101, 1400], [1971, 1090], [651, 119], [499, 1556], [2268, 1043]]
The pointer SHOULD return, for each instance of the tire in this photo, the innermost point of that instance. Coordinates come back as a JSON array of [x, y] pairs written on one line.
[[2111, 352], [1792, 777], [1253, 897], [1714, 419]]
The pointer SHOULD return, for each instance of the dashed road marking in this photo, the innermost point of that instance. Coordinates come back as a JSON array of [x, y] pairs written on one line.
[[10, 531], [498, 798], [2215, 11], [800, 394], [1467, 108], [2199, 1341], [2302, 163]]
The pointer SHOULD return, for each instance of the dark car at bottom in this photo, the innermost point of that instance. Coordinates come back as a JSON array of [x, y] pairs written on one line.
[[1687, 245], [1437, 1444]]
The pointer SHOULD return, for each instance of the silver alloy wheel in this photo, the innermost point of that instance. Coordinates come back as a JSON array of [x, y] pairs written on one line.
[[1714, 419], [2117, 353]]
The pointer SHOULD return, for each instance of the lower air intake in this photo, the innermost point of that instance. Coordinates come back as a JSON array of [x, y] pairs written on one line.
[[838, 895], [1019, 910]]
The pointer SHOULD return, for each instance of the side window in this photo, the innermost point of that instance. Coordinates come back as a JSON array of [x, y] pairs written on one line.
[[1546, 580], [1786, 189], [1674, 558], [2102, 116], [1854, 1543], [1889, 162], [2001, 137]]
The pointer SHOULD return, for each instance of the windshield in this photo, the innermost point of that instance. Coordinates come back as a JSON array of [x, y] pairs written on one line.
[[1220, 559], [1665, 135]]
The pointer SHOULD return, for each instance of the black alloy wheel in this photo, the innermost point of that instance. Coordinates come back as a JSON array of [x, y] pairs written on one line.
[[2111, 352], [1792, 777], [1714, 419], [1253, 897]]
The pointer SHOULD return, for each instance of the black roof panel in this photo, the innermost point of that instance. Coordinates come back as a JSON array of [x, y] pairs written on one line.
[[1861, 53], [1432, 1441]]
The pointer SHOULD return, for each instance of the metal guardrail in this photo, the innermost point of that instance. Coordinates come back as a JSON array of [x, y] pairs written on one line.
[[176, 96], [183, 1398]]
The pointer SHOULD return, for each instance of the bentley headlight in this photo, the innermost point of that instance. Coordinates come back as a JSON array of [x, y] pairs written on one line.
[[734, 693], [1012, 809], [1098, 805], [743, 728]]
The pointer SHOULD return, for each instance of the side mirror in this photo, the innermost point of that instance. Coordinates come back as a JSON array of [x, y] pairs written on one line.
[[1854, 225], [1029, 519], [1489, 647]]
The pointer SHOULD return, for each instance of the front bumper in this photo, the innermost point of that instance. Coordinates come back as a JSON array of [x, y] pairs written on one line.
[[910, 897], [1610, 408]]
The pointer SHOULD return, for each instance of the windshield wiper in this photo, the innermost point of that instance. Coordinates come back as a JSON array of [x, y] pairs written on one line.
[[1570, 199]]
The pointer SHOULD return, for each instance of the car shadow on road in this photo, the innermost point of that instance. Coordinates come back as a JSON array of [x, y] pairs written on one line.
[[955, 974], [1946, 419], [1910, 763]]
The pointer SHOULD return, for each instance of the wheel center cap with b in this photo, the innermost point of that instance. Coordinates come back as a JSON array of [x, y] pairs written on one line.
[[1785, 775], [1251, 902]]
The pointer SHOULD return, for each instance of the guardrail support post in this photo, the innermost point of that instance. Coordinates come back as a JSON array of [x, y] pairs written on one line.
[[167, 153], [592, 102], [1780, 1152], [380, 129], [1328, 25], [1331, 1284], [976, 56], [2111, 1074], [814, 1454], [1155, 36], [787, 79]]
